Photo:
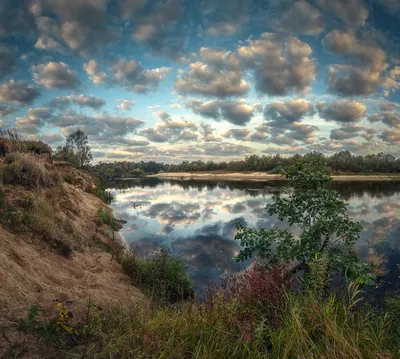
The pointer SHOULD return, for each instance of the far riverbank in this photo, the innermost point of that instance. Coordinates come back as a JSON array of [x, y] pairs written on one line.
[[259, 176]]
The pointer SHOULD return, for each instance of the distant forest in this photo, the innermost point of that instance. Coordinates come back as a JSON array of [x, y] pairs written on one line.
[[341, 162]]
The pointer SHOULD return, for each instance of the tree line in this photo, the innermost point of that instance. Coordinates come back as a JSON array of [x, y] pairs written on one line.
[[341, 162]]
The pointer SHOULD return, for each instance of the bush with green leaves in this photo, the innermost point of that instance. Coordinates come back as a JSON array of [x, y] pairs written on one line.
[[326, 231]]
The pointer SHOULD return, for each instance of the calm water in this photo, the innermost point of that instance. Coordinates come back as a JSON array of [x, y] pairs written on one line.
[[197, 221]]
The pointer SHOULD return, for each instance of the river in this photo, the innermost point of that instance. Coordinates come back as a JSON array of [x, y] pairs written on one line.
[[197, 221]]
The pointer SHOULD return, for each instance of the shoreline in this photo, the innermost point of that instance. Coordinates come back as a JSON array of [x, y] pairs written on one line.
[[260, 176]]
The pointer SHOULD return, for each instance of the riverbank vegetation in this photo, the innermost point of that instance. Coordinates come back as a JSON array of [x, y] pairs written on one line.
[[283, 308], [339, 163]]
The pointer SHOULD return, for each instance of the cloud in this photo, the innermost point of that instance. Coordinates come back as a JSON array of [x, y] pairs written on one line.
[[125, 104], [95, 75], [169, 130], [207, 131], [158, 27], [55, 75], [6, 110], [387, 106], [344, 111], [301, 18], [49, 35], [392, 6], [352, 12], [391, 136], [81, 100], [52, 138], [60, 102], [236, 112], [101, 128], [20, 92], [352, 131], [132, 76], [280, 114], [364, 78], [281, 64], [211, 80], [226, 149], [36, 118], [82, 25], [153, 135], [16, 18], [128, 8], [390, 119], [163, 115], [8, 62], [136, 143], [220, 19], [237, 134], [87, 101]]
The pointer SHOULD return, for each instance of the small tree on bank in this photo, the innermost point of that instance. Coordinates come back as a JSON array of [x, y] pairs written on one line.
[[76, 150], [321, 215]]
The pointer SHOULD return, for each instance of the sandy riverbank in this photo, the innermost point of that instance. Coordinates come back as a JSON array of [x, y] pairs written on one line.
[[259, 176]]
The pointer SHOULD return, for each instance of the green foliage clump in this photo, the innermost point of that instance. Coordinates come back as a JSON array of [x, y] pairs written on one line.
[[27, 170], [160, 275], [312, 206]]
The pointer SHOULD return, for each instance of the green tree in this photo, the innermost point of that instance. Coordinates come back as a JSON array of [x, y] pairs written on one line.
[[76, 150], [326, 231]]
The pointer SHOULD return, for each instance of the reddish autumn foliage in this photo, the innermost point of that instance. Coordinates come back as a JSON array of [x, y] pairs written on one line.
[[257, 285]]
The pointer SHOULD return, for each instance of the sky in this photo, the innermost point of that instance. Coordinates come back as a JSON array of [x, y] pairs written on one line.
[[173, 80]]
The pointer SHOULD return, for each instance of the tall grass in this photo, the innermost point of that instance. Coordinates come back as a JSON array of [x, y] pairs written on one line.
[[28, 170], [13, 141], [219, 328], [235, 324], [160, 275]]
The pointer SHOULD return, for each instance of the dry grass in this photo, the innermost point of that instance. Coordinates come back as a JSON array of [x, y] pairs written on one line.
[[28, 170], [40, 215]]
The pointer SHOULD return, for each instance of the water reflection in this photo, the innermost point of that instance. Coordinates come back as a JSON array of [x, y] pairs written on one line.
[[198, 220]]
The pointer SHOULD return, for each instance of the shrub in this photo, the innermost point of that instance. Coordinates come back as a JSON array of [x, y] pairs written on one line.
[[160, 275], [27, 170], [258, 289]]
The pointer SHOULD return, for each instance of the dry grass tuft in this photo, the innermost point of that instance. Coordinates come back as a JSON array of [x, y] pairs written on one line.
[[28, 170]]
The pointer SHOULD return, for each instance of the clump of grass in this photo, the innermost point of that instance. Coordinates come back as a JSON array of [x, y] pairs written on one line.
[[160, 275], [40, 216], [27, 170], [68, 179], [101, 192]]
